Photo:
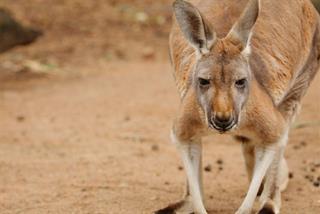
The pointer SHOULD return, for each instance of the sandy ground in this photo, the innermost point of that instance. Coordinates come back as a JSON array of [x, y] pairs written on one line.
[[94, 138], [99, 143]]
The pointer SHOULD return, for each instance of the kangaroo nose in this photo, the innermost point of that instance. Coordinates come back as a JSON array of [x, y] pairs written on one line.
[[222, 122]]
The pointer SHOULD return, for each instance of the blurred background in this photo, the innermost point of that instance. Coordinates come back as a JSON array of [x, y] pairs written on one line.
[[76, 32], [86, 104]]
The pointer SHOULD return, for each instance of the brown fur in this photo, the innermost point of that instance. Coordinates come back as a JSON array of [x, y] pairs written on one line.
[[242, 73], [284, 56]]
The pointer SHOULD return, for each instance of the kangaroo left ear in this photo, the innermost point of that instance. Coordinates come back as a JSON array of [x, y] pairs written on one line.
[[194, 27], [241, 30]]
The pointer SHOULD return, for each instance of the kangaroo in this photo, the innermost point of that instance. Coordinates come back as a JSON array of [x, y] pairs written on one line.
[[241, 68]]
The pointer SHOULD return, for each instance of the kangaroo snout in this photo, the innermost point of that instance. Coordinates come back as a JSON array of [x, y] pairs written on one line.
[[222, 121]]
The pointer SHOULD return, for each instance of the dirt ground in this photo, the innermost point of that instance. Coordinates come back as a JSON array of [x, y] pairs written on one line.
[[85, 123]]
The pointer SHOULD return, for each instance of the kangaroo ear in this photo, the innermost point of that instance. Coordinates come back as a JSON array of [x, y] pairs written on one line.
[[193, 26], [241, 30]]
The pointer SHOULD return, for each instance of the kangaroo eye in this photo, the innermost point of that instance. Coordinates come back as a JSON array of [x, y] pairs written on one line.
[[241, 83], [204, 82]]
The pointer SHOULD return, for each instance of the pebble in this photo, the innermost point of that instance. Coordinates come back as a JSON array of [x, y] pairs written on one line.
[[309, 177], [208, 168], [155, 147], [290, 175], [220, 161], [317, 165], [296, 147], [127, 118], [303, 143], [148, 53], [20, 118]]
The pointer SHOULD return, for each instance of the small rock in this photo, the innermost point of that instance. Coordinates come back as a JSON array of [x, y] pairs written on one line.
[[120, 54], [32, 66], [317, 165], [310, 178], [148, 53], [290, 175], [155, 147], [126, 118], [141, 17], [12, 33], [316, 183], [166, 183], [220, 161], [220, 168], [296, 147], [303, 143], [180, 168], [20, 118], [208, 168]]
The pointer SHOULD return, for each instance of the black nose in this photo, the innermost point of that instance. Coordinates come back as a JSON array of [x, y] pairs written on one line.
[[222, 122]]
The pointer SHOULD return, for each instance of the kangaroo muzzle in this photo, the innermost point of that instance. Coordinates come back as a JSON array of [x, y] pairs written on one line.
[[222, 122]]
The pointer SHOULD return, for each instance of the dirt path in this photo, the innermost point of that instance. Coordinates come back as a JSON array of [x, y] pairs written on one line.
[[100, 145]]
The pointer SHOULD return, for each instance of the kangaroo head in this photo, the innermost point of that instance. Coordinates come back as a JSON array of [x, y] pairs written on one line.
[[221, 76]]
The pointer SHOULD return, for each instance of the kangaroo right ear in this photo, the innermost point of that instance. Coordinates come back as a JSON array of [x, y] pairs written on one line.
[[242, 29], [194, 27]]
